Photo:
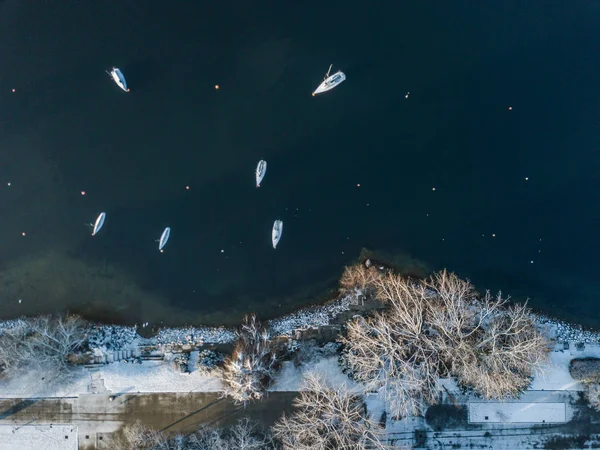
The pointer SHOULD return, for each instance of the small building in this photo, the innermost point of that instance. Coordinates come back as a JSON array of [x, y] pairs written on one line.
[[517, 412]]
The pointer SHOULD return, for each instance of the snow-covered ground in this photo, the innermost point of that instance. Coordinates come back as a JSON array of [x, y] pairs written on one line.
[[155, 376], [555, 376], [290, 378], [119, 378], [152, 376], [37, 437]]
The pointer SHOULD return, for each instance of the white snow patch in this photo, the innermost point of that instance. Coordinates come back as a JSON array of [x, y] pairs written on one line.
[[517, 412], [290, 377], [375, 406], [36, 437], [119, 377], [155, 376], [35, 384]]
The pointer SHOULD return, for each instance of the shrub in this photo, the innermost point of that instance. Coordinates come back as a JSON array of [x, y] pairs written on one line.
[[586, 370], [44, 343]]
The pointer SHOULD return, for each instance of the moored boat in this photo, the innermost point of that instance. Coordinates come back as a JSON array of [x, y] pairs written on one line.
[[118, 78], [261, 170], [164, 237], [330, 81], [99, 223], [277, 232]]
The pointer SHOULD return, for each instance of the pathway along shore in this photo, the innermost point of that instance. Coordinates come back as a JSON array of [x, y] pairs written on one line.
[[96, 416]]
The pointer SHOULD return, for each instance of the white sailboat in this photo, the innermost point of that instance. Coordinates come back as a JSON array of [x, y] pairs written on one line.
[[277, 232], [164, 237], [329, 82], [98, 224], [118, 78], [261, 170]]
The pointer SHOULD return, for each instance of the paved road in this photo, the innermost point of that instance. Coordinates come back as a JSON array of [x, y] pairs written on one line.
[[96, 416]]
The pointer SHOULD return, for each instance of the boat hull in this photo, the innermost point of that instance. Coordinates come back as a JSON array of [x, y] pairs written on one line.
[[164, 238], [119, 78], [276, 233], [330, 82], [261, 170], [99, 223]]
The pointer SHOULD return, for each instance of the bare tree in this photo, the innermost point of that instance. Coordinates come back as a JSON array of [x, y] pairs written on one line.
[[244, 435], [138, 436], [44, 342], [359, 279], [392, 351], [252, 365], [489, 345], [326, 417], [439, 328]]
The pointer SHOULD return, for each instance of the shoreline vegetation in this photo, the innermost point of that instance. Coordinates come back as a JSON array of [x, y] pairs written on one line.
[[394, 337]]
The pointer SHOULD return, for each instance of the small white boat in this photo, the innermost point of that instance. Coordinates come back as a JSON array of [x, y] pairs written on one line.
[[164, 237], [329, 82], [261, 170], [98, 224], [118, 78], [276, 233]]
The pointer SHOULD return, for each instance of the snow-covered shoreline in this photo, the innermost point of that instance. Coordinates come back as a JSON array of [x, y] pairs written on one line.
[[114, 337], [563, 331], [120, 337]]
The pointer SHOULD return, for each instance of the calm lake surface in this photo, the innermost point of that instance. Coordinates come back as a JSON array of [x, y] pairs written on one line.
[[466, 136]]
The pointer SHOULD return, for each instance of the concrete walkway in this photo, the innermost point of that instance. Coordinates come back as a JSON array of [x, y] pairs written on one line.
[[96, 416]]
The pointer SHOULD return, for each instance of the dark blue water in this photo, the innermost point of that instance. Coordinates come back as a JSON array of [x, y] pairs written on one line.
[[528, 175]]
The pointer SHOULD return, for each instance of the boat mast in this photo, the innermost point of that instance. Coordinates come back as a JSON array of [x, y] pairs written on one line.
[[329, 70]]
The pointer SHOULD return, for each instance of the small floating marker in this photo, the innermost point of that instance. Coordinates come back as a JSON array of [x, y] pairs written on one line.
[[222, 251], [20, 300], [530, 262], [510, 108], [83, 192], [433, 189], [494, 235], [23, 234], [526, 178], [407, 94], [13, 90], [217, 87], [187, 188], [8, 184], [357, 184]]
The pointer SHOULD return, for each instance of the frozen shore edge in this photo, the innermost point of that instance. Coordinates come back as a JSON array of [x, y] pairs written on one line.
[[118, 337]]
